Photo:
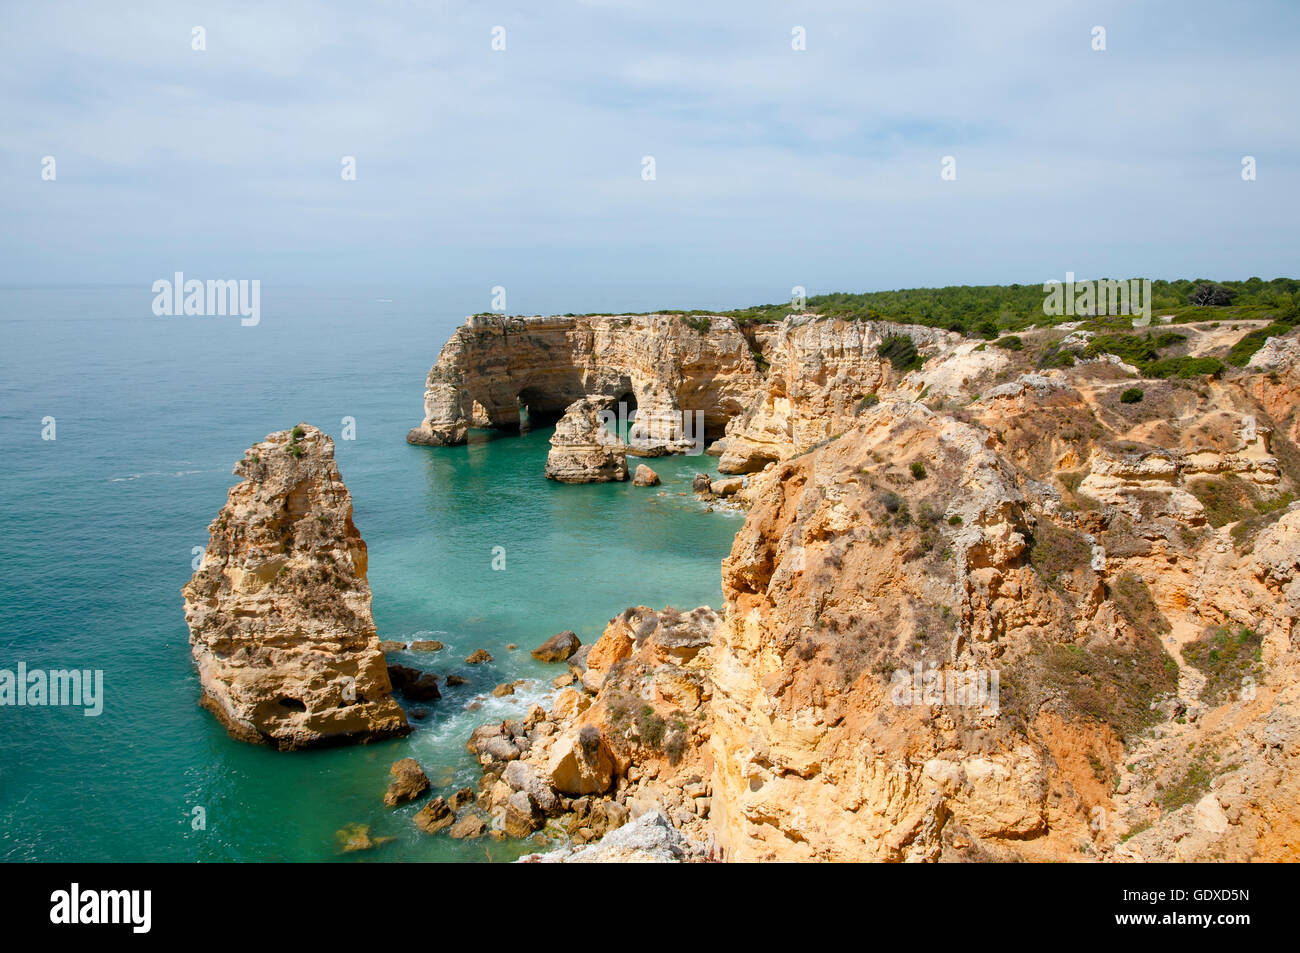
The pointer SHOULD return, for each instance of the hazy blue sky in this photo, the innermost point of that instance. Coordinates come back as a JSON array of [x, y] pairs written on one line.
[[522, 168]]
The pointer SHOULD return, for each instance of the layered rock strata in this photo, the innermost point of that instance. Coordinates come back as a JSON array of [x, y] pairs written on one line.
[[279, 608], [670, 373], [583, 449]]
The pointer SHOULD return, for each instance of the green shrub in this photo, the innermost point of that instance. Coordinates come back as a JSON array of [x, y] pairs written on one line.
[[1190, 787], [1226, 499], [900, 351], [650, 727], [1010, 343], [1225, 659], [1131, 395], [1184, 368], [918, 470], [298, 433]]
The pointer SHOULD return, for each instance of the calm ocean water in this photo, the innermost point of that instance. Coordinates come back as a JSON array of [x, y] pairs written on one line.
[[97, 529]]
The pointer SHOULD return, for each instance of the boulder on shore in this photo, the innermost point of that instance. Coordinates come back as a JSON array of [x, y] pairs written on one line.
[[558, 648]]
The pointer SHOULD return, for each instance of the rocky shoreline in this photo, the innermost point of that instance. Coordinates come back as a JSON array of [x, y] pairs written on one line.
[[1120, 579]]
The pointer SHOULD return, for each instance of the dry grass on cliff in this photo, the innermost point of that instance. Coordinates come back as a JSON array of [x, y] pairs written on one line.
[[1225, 659], [1102, 680], [1061, 556], [1133, 599]]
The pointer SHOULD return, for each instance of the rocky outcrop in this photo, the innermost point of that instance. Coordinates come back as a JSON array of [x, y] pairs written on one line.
[[644, 476], [627, 738], [658, 365], [883, 575], [558, 648], [982, 608], [583, 450], [279, 609], [821, 371], [409, 782], [650, 839]]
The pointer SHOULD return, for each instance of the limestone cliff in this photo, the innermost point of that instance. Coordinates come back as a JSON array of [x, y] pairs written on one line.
[[1035, 623], [279, 609], [1098, 560], [821, 370], [989, 603], [658, 365]]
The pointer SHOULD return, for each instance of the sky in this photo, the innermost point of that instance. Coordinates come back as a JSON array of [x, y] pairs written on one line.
[[523, 167]]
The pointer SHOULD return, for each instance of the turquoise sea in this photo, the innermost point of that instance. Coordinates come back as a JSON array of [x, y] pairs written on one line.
[[97, 529]]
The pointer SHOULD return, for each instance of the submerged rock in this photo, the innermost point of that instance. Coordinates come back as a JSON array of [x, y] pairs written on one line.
[[279, 609], [355, 837]]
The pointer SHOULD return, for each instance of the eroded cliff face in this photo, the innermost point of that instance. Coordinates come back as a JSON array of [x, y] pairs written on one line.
[[978, 611], [1144, 648], [821, 369], [493, 365], [279, 609]]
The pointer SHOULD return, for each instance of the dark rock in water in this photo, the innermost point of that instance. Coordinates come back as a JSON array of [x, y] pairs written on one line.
[[419, 714], [434, 816], [454, 680], [479, 657], [414, 684], [558, 647], [409, 782], [701, 484], [461, 798]]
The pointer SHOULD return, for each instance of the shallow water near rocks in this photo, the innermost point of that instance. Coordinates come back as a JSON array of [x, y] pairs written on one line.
[[98, 532]]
